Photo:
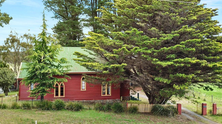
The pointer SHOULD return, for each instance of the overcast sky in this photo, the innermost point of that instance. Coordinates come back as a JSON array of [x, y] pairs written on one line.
[[27, 16]]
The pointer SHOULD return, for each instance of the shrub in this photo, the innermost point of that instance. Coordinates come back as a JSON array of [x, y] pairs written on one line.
[[26, 105], [74, 106], [4, 106], [99, 107], [44, 105], [157, 110], [107, 107], [15, 105], [133, 109], [58, 104], [164, 111], [172, 110], [117, 107]]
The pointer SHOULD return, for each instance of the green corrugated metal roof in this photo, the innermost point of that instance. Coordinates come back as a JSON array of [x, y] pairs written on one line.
[[67, 52]]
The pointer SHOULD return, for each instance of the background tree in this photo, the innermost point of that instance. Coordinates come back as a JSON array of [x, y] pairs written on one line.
[[163, 46], [44, 65], [15, 50], [7, 77], [91, 12], [73, 16], [68, 12], [4, 17]]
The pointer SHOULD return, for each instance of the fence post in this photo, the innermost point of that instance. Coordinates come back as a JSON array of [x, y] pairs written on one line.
[[32, 102], [2, 100], [214, 109], [212, 100], [204, 108], [197, 107], [179, 108], [16, 98]]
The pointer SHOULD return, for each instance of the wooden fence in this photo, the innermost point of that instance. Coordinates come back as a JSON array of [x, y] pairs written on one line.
[[143, 108]]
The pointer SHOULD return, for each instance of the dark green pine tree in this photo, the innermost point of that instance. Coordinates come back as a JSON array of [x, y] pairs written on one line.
[[91, 12], [44, 65], [69, 28], [163, 46]]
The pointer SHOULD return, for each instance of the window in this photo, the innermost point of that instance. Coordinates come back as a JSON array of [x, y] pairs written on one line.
[[106, 90], [31, 86], [59, 90], [83, 84]]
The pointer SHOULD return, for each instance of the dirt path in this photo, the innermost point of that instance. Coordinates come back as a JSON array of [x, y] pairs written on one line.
[[185, 112], [196, 117]]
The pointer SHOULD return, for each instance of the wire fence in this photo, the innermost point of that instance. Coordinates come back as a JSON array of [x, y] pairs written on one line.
[[9, 100], [196, 98]]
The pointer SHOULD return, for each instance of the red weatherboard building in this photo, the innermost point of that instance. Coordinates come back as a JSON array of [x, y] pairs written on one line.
[[76, 88]]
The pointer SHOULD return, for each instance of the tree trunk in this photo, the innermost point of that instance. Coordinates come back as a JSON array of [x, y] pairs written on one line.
[[6, 91], [42, 98], [157, 99]]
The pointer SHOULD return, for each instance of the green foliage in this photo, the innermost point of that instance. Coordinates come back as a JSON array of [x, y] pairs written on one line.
[[26, 105], [107, 107], [171, 110], [157, 110], [58, 104], [16, 48], [45, 65], [99, 107], [3, 106], [133, 109], [74, 106], [5, 18], [7, 78], [68, 29], [164, 111], [15, 105], [44, 105], [117, 107], [164, 45]]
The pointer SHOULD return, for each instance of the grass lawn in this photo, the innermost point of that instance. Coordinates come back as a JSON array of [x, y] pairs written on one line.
[[86, 116], [10, 93]]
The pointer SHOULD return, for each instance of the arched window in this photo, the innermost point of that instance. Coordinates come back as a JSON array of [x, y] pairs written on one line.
[[83, 84], [106, 90], [59, 90]]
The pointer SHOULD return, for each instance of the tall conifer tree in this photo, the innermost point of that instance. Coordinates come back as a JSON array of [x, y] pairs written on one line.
[[163, 46], [44, 65], [68, 12]]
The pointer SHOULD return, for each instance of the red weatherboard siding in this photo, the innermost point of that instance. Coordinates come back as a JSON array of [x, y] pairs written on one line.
[[73, 91]]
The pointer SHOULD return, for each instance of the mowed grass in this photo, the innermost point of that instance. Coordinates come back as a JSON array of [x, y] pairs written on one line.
[[84, 117], [217, 92]]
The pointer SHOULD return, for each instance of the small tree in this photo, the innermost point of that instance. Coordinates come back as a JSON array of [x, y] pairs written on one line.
[[16, 49], [7, 77], [45, 65]]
